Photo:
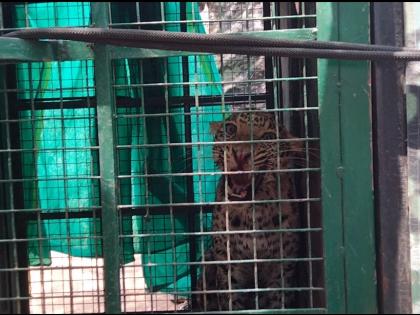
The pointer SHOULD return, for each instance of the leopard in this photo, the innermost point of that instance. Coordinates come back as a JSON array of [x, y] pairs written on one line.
[[254, 193]]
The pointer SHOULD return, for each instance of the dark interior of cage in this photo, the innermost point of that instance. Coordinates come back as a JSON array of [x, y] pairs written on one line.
[[276, 94]]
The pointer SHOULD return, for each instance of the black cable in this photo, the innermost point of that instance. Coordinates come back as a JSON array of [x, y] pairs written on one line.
[[93, 34], [222, 43]]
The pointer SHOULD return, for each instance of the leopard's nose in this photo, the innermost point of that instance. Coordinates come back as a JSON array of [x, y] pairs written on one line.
[[241, 157]]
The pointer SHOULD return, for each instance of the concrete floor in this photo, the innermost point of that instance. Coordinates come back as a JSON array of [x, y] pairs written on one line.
[[84, 293]]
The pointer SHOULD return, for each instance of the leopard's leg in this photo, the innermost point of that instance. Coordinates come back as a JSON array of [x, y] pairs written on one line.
[[241, 277], [207, 282], [222, 284], [277, 276]]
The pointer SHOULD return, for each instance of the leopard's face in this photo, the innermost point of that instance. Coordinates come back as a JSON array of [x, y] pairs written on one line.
[[247, 155]]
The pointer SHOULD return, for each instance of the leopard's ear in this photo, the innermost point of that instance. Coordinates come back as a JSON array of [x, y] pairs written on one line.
[[296, 145], [214, 127], [284, 133]]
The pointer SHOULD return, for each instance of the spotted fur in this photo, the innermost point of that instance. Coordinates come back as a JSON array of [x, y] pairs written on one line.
[[242, 156]]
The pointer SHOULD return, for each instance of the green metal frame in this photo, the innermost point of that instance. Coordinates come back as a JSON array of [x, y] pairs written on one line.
[[107, 162], [346, 163], [345, 120], [14, 49]]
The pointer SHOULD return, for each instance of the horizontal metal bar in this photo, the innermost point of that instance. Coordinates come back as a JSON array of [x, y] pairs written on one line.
[[48, 104], [201, 292], [197, 83], [197, 143], [254, 141], [20, 50], [270, 311], [125, 102], [44, 296], [295, 289], [22, 180], [35, 211], [197, 173], [49, 238], [208, 204], [231, 262], [23, 120], [205, 100], [61, 215], [247, 19], [120, 52], [52, 267], [22, 90], [184, 209], [14, 50], [100, 293], [200, 100], [200, 113], [162, 209], [224, 232], [173, 264], [38, 150], [9, 29]]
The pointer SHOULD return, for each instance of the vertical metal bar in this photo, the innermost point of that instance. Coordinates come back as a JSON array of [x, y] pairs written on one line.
[[91, 117], [346, 163], [65, 180], [21, 222], [390, 156], [1, 18], [107, 162], [18, 221], [189, 157], [268, 61], [11, 287], [307, 174], [35, 173], [279, 196], [254, 225], [200, 189], [307, 185], [146, 172], [5, 290], [331, 162], [358, 207], [169, 161], [138, 13]]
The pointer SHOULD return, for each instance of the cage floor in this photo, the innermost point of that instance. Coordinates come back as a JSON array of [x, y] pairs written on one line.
[[59, 288]]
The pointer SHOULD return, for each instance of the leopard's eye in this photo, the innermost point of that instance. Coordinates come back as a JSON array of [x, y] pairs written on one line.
[[269, 136], [230, 129]]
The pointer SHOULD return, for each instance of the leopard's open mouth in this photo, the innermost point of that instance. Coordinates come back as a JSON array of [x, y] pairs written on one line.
[[240, 187], [245, 194]]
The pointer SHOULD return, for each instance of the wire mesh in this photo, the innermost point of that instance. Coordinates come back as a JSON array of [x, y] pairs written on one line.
[[173, 147], [50, 183], [167, 179]]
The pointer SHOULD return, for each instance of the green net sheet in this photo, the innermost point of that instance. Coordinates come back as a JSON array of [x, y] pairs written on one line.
[[63, 162]]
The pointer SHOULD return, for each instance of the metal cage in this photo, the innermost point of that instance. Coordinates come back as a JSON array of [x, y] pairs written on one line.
[[108, 182]]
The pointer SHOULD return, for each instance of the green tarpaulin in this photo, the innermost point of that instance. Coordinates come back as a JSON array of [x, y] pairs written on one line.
[[63, 163]]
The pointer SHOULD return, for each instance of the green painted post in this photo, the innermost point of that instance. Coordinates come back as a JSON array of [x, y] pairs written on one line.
[[358, 206], [331, 162], [107, 158], [346, 156]]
